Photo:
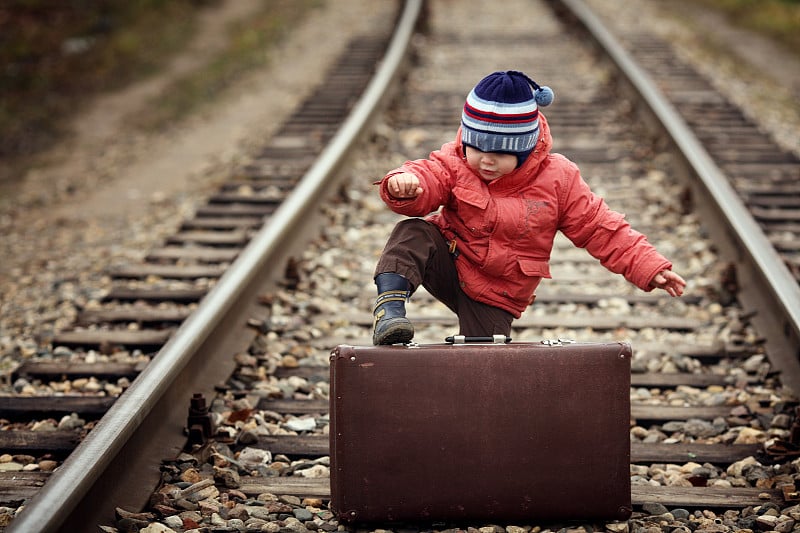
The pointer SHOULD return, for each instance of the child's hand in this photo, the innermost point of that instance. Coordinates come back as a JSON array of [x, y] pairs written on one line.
[[670, 282], [404, 185]]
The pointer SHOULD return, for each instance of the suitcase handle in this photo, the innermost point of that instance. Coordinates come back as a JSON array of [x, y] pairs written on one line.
[[462, 339]]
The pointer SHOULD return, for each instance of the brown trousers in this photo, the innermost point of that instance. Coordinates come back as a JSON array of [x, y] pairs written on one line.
[[417, 251]]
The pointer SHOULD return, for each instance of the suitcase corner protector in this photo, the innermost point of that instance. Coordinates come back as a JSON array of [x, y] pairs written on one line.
[[626, 350], [340, 351], [624, 512], [349, 517]]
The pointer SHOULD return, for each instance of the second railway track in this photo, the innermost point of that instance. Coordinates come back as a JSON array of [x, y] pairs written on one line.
[[712, 426]]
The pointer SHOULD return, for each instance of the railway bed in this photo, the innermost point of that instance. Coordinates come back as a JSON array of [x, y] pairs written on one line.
[[713, 435]]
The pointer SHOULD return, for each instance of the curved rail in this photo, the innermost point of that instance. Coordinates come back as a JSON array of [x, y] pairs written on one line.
[[763, 277], [74, 496]]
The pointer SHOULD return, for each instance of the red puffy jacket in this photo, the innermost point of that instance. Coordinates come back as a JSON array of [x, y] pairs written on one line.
[[504, 229]]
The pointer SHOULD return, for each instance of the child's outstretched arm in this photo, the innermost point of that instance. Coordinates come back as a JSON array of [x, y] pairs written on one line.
[[670, 282], [404, 185]]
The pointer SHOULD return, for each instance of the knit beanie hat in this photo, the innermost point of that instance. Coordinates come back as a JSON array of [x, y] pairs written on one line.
[[501, 114]]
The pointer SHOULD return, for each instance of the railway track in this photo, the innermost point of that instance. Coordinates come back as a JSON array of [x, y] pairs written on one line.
[[249, 380]]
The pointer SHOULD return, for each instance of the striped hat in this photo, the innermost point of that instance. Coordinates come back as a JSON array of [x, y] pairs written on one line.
[[501, 114]]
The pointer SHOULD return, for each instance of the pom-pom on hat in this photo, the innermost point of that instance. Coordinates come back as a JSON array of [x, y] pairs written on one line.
[[501, 114]]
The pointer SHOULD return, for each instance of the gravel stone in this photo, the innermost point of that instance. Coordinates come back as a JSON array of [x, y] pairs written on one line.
[[654, 508], [303, 514], [680, 514]]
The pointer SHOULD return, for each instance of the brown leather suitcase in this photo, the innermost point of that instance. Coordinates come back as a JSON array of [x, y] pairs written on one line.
[[501, 432]]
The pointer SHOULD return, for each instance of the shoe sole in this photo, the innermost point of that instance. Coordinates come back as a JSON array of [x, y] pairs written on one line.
[[400, 333]]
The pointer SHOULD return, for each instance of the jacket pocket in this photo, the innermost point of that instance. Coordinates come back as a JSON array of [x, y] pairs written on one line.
[[535, 268], [515, 289], [472, 197]]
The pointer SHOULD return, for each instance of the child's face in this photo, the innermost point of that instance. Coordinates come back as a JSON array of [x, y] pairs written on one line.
[[490, 165]]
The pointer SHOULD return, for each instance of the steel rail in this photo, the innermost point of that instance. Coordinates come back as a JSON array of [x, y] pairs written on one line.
[[116, 454], [766, 284]]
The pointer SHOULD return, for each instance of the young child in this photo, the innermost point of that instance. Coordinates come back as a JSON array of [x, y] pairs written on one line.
[[503, 195]]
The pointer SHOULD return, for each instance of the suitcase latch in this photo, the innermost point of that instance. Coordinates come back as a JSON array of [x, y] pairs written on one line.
[[557, 342]]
